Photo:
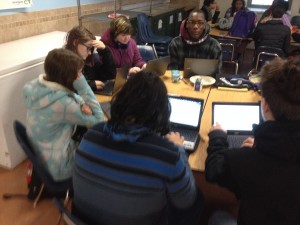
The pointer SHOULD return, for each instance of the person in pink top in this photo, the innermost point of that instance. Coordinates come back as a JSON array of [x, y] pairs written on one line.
[[123, 47]]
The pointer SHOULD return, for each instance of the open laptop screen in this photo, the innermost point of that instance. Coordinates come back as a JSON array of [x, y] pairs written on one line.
[[185, 111], [236, 117]]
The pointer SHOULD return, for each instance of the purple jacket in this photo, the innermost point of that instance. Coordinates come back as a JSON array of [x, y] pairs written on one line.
[[123, 54]]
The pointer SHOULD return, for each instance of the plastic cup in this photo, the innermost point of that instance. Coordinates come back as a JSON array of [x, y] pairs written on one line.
[[175, 75]]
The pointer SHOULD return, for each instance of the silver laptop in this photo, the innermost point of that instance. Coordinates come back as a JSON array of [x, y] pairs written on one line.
[[113, 86], [237, 119], [194, 66], [159, 65], [185, 118]]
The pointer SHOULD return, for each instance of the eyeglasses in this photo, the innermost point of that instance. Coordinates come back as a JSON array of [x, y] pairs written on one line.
[[88, 48], [196, 22]]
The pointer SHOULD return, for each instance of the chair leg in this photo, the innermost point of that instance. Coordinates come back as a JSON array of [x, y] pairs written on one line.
[[66, 200], [236, 68], [39, 196]]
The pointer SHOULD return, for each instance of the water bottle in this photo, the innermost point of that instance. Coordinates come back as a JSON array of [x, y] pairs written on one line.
[[198, 85]]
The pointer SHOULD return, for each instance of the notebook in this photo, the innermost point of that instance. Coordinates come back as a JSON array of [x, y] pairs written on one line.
[[237, 119], [194, 66], [113, 86], [159, 65], [185, 118]]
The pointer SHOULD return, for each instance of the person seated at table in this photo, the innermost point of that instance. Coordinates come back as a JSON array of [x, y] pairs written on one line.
[[57, 102], [236, 5], [98, 67], [267, 15], [273, 33], [130, 170], [194, 41], [123, 47], [210, 6], [264, 172]]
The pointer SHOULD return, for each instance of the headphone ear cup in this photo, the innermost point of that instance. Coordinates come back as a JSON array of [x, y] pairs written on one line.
[[121, 46]]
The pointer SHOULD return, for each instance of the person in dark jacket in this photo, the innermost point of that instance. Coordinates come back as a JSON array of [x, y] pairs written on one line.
[[211, 10], [99, 67], [124, 49], [131, 170], [273, 33], [264, 172], [194, 42]]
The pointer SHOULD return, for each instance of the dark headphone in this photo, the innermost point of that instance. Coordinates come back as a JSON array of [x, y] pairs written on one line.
[[121, 46]]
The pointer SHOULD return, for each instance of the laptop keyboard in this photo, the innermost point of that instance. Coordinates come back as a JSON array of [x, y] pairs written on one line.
[[235, 141], [189, 135], [108, 88]]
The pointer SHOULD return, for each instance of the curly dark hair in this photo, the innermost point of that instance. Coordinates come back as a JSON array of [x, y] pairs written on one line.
[[143, 100], [280, 88]]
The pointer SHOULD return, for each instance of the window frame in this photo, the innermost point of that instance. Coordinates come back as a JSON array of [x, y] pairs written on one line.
[[250, 5]]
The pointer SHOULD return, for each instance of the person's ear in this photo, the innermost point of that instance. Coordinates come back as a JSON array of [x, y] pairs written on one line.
[[265, 109]]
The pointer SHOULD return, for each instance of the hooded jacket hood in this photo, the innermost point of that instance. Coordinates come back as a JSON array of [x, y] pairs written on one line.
[[279, 139], [44, 94]]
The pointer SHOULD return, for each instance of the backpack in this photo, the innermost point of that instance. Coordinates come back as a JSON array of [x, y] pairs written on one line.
[[243, 23], [225, 24]]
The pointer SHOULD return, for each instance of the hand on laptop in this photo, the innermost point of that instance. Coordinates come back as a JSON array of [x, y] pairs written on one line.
[[217, 126], [99, 84], [134, 70], [175, 138], [248, 142]]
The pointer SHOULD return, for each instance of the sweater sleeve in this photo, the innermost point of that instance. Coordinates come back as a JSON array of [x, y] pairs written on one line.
[[137, 58], [182, 188], [72, 111], [174, 56], [107, 68], [217, 167]]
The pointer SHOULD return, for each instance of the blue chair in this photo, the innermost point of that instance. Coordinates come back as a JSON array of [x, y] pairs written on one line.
[[264, 54], [146, 36], [147, 52], [229, 52], [51, 187]]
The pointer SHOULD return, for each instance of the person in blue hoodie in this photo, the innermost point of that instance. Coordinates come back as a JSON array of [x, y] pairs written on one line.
[[57, 102]]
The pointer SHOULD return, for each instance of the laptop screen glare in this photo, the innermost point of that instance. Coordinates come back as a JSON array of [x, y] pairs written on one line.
[[185, 112]]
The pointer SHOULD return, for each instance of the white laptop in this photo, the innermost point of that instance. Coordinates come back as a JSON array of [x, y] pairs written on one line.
[[194, 66], [185, 118], [237, 119]]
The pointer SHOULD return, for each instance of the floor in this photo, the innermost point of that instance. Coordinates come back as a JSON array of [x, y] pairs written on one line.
[[20, 211]]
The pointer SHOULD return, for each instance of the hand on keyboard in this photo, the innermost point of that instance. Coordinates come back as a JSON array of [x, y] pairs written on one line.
[[175, 138]]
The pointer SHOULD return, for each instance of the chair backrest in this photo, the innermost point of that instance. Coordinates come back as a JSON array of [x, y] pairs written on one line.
[[55, 188], [229, 47], [147, 52], [144, 30], [266, 53]]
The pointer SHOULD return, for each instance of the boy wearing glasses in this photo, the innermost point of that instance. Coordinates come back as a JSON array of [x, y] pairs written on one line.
[[194, 41]]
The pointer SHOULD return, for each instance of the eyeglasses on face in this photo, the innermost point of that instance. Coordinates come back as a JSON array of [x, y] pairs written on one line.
[[88, 48], [196, 22]]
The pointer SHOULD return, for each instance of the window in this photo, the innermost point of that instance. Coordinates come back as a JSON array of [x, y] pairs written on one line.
[[263, 4]]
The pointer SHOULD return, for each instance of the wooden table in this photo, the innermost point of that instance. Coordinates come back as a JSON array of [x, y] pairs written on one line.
[[208, 94]]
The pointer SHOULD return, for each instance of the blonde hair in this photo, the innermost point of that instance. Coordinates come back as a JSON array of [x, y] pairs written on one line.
[[120, 25]]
